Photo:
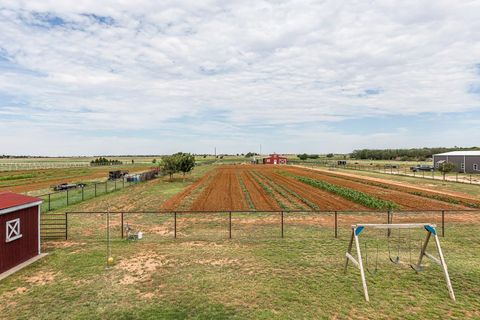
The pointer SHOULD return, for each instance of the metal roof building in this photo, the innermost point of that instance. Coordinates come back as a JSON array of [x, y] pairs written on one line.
[[467, 161]]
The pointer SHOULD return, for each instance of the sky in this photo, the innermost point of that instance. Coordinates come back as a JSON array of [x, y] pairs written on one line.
[[156, 77]]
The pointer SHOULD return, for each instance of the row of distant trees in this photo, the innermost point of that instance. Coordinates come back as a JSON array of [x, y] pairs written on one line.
[[178, 162], [415, 154], [102, 161]]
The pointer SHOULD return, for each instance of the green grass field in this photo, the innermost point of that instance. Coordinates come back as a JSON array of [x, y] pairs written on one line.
[[256, 275]]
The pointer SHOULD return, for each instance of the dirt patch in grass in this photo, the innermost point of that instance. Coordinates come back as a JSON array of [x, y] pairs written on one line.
[[140, 267], [41, 278]]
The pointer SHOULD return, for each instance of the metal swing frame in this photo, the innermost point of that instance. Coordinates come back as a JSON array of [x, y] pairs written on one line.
[[431, 230]]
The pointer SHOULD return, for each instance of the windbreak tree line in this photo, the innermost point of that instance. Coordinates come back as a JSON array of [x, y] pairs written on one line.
[[305, 156], [416, 154], [104, 162], [178, 162]]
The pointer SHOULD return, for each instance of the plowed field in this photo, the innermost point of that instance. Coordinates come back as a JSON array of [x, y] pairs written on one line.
[[272, 188]]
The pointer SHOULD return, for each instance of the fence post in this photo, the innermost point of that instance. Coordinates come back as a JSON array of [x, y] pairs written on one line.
[[389, 221], [67, 197], [443, 223], [66, 225], [122, 223], [49, 201], [175, 224], [230, 224], [281, 219], [336, 225]]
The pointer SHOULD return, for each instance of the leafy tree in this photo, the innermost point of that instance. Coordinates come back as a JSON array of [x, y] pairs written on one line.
[[330, 155], [250, 154], [170, 165], [303, 156], [445, 167], [186, 162]]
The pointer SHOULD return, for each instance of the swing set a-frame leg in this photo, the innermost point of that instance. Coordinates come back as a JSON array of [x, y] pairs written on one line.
[[445, 270], [440, 261], [358, 262]]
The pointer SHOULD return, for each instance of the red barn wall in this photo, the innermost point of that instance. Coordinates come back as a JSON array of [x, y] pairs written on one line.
[[20, 250]]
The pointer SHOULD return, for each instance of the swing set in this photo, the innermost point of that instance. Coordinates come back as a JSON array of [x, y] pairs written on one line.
[[429, 228]]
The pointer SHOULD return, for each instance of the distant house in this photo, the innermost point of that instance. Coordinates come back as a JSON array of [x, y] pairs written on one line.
[[465, 161], [275, 159]]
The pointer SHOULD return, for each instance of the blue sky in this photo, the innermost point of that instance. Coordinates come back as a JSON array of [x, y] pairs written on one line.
[[89, 77]]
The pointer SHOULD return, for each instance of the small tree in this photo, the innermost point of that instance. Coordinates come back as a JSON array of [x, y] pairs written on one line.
[[330, 155], [154, 161], [170, 165], [445, 167], [186, 162], [303, 156]]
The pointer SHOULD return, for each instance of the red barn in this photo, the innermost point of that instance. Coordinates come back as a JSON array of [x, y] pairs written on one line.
[[19, 230], [275, 159]]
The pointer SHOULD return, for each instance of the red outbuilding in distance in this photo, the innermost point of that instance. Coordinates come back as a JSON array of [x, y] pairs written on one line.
[[275, 159], [19, 229]]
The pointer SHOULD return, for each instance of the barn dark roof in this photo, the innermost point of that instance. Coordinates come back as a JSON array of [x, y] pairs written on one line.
[[10, 199]]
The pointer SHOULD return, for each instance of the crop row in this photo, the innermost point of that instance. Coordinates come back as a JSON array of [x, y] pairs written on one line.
[[269, 191], [289, 194], [433, 196], [349, 194], [248, 198]]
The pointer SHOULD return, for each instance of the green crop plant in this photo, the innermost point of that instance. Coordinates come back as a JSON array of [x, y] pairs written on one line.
[[245, 193], [349, 194]]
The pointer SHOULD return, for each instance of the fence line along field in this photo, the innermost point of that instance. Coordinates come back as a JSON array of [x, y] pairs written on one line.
[[42, 179], [253, 187]]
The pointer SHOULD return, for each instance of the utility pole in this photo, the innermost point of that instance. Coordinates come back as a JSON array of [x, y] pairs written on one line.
[[215, 151], [260, 148]]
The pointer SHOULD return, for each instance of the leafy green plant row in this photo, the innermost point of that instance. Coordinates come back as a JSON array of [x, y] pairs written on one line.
[[287, 193], [349, 194], [245, 193], [269, 192], [293, 193], [416, 193]]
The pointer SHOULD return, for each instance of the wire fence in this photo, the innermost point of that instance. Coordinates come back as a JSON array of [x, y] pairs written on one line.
[[397, 169], [61, 199], [218, 225]]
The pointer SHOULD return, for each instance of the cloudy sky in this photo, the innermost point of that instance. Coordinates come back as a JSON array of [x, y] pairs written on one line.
[[149, 77]]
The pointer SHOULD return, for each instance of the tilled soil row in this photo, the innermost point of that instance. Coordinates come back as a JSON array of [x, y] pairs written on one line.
[[222, 193], [405, 200], [259, 198], [411, 190], [293, 202], [174, 202], [324, 200]]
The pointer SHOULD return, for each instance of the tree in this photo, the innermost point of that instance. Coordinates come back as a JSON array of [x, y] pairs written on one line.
[[303, 156], [445, 167], [186, 162], [170, 165], [330, 155], [154, 161]]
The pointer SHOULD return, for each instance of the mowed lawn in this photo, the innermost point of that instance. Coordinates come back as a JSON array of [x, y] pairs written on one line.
[[204, 275]]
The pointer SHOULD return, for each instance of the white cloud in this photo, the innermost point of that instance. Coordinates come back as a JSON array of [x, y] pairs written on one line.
[[138, 65]]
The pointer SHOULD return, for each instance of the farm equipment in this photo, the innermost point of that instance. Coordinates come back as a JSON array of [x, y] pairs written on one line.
[[117, 174], [422, 167], [67, 186]]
